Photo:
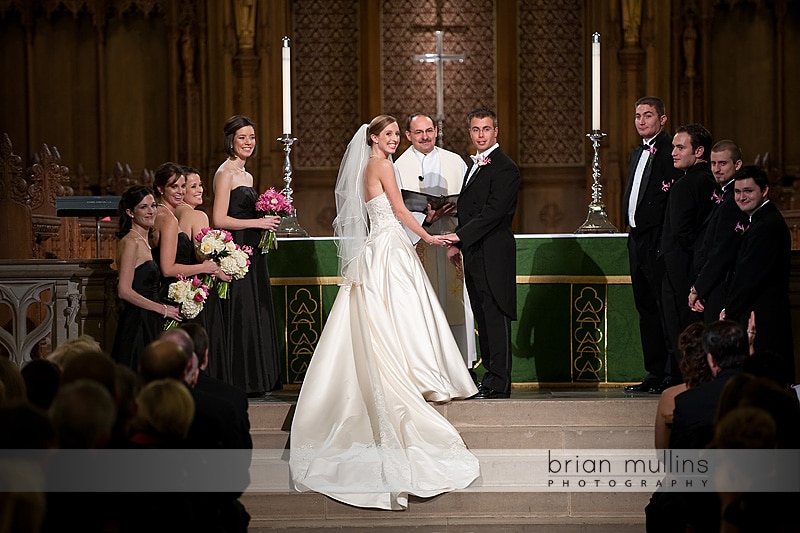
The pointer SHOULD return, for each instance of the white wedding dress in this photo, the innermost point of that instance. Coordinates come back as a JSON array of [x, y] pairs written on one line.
[[363, 432]]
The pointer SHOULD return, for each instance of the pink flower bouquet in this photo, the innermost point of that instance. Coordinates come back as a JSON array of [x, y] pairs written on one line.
[[190, 295], [271, 203], [218, 245]]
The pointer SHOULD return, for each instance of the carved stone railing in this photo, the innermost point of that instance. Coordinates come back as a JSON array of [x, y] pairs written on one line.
[[49, 301]]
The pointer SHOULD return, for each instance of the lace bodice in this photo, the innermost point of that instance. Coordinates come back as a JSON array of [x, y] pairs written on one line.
[[380, 214]]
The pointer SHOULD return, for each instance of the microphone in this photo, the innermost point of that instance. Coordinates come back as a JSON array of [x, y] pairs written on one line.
[[421, 178]]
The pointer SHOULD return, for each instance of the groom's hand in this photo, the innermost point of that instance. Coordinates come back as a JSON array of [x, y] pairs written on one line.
[[454, 255]]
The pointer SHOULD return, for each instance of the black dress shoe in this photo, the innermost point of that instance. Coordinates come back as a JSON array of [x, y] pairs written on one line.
[[485, 393], [646, 385], [666, 383]]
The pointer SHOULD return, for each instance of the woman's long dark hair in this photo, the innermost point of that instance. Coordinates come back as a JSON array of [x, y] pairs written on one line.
[[163, 175], [132, 196]]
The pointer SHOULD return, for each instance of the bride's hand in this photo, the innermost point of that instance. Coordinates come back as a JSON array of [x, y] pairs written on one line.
[[435, 240]]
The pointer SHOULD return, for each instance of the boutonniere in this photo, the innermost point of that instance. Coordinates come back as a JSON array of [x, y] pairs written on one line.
[[741, 228], [652, 150], [666, 185], [480, 161], [716, 197]]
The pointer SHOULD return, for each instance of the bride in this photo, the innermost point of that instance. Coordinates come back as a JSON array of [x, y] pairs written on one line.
[[363, 432]]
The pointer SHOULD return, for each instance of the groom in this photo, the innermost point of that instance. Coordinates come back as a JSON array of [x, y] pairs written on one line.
[[485, 238]]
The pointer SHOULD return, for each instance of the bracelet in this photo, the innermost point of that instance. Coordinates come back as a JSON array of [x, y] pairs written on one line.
[[165, 310]]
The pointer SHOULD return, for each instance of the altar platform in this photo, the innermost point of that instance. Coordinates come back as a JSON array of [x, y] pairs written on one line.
[[577, 322], [534, 418]]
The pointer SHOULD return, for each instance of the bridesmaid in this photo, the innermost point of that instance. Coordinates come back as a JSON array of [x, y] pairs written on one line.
[[192, 219], [142, 313], [173, 249], [249, 318]]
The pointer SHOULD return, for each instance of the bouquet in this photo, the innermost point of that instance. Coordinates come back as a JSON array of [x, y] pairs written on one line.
[[271, 203], [218, 245], [190, 295]]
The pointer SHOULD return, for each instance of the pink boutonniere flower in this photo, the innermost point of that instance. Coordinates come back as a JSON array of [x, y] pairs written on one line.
[[666, 185], [652, 150], [483, 161], [716, 198], [741, 228]]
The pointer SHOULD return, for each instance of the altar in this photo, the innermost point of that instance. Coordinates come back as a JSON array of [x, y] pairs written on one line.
[[577, 322]]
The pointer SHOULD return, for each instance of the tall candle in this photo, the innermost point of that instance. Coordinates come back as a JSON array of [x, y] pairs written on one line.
[[596, 81], [287, 86]]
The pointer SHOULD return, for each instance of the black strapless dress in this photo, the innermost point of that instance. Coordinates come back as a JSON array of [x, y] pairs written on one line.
[[138, 327], [249, 319], [184, 255]]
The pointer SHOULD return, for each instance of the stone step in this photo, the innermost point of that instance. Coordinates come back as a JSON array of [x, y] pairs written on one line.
[[533, 420]]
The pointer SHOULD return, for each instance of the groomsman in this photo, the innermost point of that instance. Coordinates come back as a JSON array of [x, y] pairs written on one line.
[[715, 259], [425, 167], [688, 208], [645, 200], [760, 280], [485, 238]]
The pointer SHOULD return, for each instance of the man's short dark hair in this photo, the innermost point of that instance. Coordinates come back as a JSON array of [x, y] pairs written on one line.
[[412, 116], [654, 102], [482, 112], [199, 337], [700, 136], [730, 146], [758, 174], [726, 341]]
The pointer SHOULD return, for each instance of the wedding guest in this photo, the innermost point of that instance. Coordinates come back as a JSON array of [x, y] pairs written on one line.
[[695, 370], [248, 316], [192, 219], [139, 278], [42, 378], [173, 249]]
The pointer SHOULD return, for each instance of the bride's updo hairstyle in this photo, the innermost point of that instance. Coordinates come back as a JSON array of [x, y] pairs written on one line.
[[377, 125]]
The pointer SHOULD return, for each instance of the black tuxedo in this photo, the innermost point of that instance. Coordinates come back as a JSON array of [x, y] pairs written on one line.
[[643, 242], [689, 206], [715, 259], [760, 283], [486, 208]]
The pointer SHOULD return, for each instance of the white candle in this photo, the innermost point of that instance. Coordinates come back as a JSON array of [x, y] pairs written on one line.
[[287, 86], [596, 81]]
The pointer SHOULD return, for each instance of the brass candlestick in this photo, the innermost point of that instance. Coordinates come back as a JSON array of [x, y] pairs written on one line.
[[597, 220]]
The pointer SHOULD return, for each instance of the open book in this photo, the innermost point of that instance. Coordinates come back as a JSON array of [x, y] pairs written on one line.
[[418, 201]]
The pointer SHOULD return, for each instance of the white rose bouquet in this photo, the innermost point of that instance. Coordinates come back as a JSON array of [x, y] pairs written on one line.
[[190, 295], [218, 245]]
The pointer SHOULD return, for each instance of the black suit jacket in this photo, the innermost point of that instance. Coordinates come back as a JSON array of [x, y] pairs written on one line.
[[690, 203], [760, 281], [715, 259], [654, 189], [695, 410], [486, 208], [234, 396]]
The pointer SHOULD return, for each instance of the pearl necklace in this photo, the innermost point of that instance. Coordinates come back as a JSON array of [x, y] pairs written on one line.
[[140, 236]]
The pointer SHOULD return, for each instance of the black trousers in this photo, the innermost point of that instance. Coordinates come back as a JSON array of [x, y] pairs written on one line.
[[647, 274]]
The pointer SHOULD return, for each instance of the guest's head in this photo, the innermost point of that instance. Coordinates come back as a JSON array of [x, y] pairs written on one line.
[[73, 346], [726, 344], [169, 184], [200, 340], [182, 339], [726, 159], [163, 359], [42, 378], [751, 188], [422, 132], [694, 361], [25, 427], [691, 144], [769, 365], [194, 187], [483, 128], [128, 389], [649, 116], [98, 367], [165, 410], [13, 382], [83, 414], [240, 137], [137, 204]]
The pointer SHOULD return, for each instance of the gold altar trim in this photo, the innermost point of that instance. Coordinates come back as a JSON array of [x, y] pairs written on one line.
[[577, 280], [310, 280]]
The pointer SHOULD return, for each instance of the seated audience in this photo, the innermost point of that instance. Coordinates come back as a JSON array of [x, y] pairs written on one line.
[[164, 413], [70, 347], [42, 379]]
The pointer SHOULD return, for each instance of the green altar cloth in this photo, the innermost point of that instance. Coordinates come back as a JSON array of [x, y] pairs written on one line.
[[577, 322]]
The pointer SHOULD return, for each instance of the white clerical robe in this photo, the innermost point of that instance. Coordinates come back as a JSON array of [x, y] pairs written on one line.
[[441, 173]]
